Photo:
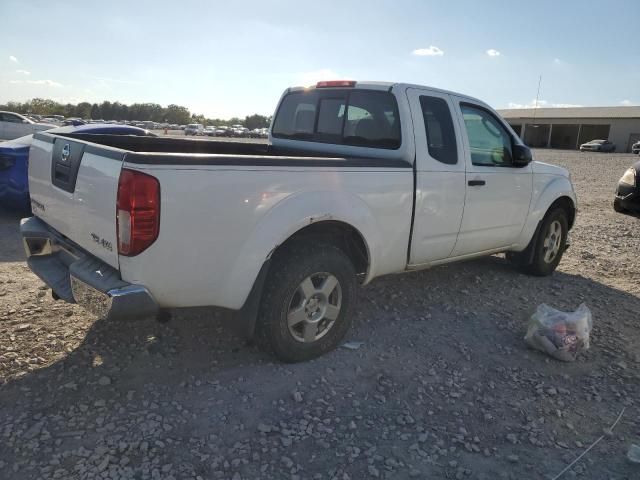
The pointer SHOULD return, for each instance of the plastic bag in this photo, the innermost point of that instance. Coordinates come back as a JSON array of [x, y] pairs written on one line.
[[560, 334]]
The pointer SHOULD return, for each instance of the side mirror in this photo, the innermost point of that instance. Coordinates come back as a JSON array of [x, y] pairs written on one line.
[[521, 156]]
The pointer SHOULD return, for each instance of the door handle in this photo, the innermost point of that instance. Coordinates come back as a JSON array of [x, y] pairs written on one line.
[[476, 183]]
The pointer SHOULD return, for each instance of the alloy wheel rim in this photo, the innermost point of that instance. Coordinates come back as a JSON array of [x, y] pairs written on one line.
[[552, 241], [314, 307]]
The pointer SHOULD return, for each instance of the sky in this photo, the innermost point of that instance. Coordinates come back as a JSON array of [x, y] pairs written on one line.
[[235, 58]]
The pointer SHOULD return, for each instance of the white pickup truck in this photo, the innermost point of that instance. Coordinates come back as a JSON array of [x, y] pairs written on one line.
[[359, 180]]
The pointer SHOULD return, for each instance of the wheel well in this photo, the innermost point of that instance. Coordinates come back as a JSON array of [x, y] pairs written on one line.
[[567, 205], [340, 234]]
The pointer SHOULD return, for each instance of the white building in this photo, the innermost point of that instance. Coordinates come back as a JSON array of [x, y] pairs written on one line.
[[570, 127]]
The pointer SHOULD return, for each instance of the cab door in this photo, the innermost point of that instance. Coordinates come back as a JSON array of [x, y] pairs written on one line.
[[440, 176], [498, 192]]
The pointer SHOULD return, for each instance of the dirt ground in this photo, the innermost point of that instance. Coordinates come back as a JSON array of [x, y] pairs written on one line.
[[442, 387]]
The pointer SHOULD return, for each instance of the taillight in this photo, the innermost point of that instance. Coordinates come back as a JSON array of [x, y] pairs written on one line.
[[138, 212]]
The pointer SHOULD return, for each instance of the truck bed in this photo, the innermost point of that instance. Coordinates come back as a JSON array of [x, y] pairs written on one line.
[[224, 206], [176, 151]]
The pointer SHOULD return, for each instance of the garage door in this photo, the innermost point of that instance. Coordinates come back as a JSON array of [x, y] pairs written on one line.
[[593, 132], [536, 135], [564, 136]]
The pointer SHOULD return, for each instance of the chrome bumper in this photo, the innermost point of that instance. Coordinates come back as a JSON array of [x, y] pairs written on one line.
[[78, 277]]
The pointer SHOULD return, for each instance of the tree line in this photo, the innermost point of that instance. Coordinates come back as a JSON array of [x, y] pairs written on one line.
[[136, 111]]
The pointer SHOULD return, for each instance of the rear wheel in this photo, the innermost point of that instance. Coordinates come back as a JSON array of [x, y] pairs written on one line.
[[548, 248], [307, 303]]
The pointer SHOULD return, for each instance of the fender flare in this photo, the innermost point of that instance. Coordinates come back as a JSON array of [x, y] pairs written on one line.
[[289, 216], [559, 187]]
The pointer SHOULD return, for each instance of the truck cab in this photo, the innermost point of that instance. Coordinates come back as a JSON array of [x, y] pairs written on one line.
[[473, 175]]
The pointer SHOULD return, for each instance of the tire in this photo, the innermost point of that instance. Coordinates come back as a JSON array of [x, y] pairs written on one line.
[[302, 313], [617, 206], [548, 248]]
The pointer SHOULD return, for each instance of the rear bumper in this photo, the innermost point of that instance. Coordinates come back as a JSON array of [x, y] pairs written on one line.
[[78, 277]]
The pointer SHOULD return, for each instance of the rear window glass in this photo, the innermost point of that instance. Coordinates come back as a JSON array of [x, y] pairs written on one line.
[[366, 118], [331, 115]]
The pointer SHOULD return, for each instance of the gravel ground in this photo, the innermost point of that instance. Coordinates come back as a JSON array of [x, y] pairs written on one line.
[[442, 387]]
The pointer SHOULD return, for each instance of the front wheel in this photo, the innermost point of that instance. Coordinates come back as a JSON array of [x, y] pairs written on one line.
[[307, 303], [549, 245], [617, 205]]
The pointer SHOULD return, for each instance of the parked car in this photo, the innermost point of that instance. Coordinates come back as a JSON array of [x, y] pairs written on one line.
[[74, 122], [598, 146], [14, 156], [635, 148], [224, 132], [258, 133], [13, 125], [52, 120], [407, 178], [209, 131], [627, 199], [194, 129]]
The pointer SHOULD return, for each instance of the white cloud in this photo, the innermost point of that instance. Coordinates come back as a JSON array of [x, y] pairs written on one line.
[[532, 104], [13, 59], [542, 104], [626, 102], [566, 105], [23, 72], [49, 83], [492, 52], [432, 51]]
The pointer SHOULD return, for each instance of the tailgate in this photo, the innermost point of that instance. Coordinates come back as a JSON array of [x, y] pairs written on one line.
[[73, 187]]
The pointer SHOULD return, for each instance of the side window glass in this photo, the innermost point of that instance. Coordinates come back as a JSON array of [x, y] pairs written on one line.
[[441, 136], [489, 142], [12, 118]]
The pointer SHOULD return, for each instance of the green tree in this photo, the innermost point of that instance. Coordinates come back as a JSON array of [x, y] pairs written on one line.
[[177, 114], [43, 106], [198, 119], [106, 110], [256, 121], [95, 111], [83, 110]]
